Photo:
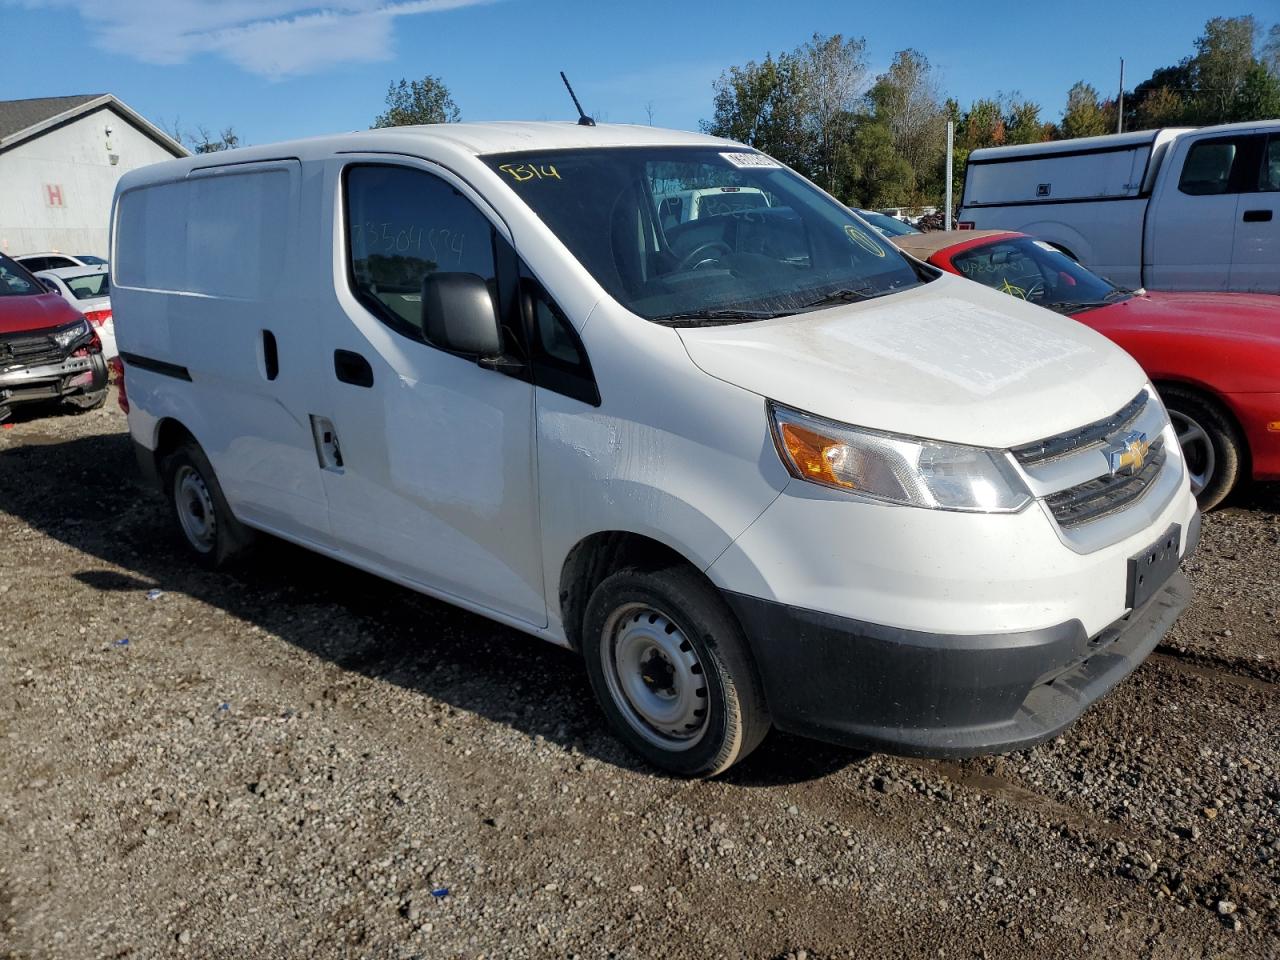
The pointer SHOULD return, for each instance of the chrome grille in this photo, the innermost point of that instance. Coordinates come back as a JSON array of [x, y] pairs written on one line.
[[1102, 496], [1075, 441]]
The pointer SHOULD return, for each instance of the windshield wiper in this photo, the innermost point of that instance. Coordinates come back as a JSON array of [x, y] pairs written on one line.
[[843, 295], [700, 318], [1074, 306]]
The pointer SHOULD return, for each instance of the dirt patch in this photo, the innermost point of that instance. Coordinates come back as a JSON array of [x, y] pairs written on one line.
[[299, 760]]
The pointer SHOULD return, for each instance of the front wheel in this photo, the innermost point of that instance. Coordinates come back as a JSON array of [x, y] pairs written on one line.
[[1211, 444], [670, 668]]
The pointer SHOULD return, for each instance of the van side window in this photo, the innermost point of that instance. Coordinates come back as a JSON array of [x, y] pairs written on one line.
[[1270, 177], [403, 224], [560, 361]]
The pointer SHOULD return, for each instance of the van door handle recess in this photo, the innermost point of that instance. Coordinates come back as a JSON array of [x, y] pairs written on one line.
[[270, 355], [352, 368], [1257, 216]]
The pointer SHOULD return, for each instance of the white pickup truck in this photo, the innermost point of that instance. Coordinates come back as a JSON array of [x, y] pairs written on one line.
[[1172, 209]]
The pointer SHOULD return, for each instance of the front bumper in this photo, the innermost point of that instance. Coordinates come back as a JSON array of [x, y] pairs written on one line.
[[47, 381], [932, 694]]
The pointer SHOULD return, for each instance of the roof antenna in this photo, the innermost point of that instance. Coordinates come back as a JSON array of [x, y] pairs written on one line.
[[583, 119]]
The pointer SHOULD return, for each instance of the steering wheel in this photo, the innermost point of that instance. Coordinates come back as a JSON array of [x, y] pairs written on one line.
[[698, 255], [1035, 291]]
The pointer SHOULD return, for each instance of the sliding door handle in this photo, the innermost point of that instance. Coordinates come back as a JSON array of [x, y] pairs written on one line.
[[1257, 216], [270, 355]]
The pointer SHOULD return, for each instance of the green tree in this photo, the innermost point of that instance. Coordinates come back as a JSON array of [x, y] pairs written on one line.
[[1221, 66], [834, 72], [1023, 123], [906, 98], [1160, 107], [1084, 115], [1259, 97], [1271, 51], [763, 105], [418, 101], [982, 126], [871, 172]]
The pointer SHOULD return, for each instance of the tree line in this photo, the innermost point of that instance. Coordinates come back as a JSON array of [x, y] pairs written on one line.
[[881, 141], [878, 141]]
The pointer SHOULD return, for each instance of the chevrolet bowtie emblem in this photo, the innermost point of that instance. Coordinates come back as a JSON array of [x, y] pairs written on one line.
[[1126, 456]]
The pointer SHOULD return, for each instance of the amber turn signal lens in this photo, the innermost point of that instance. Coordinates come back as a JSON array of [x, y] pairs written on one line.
[[812, 453], [1274, 426]]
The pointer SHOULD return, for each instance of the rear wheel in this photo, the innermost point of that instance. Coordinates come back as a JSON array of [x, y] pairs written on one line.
[[1212, 445], [205, 520], [670, 667]]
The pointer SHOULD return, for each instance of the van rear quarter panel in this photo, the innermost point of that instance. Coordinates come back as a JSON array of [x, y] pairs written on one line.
[[203, 263]]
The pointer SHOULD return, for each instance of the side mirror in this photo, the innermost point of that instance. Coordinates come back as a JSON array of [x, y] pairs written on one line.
[[458, 314]]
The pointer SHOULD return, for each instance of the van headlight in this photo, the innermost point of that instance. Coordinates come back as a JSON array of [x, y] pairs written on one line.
[[906, 470]]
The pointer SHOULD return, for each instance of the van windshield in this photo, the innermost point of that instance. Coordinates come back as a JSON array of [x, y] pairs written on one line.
[[698, 235]]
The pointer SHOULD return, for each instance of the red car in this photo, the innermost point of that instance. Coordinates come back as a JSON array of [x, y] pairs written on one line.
[[48, 350], [1215, 357]]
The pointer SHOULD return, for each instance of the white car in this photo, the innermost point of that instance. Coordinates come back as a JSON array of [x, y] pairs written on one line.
[[1172, 209], [759, 470], [88, 289], [49, 260]]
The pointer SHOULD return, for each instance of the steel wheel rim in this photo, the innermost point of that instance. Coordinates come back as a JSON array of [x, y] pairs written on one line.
[[194, 504], [655, 677], [1197, 450]]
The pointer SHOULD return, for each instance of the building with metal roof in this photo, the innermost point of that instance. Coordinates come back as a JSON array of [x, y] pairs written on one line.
[[60, 158]]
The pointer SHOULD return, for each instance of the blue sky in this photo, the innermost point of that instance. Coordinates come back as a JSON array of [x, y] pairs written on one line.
[[276, 69]]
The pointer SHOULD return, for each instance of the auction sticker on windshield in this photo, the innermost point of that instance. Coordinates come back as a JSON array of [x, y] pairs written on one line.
[[756, 161]]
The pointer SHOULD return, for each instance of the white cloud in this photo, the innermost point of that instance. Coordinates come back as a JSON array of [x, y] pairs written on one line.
[[270, 38]]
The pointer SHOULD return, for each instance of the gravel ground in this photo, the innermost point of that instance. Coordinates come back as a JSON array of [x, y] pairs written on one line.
[[299, 760]]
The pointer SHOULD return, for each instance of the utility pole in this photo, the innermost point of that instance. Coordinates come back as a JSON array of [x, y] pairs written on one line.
[[951, 149], [1120, 102]]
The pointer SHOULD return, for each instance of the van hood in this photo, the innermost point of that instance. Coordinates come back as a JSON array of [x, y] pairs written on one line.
[[949, 360]]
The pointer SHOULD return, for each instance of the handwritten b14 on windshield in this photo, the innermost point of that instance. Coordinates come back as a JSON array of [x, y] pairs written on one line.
[[524, 172]]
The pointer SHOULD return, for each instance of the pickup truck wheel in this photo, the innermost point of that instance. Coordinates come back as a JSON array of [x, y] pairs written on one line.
[[669, 666], [1211, 443], [205, 520]]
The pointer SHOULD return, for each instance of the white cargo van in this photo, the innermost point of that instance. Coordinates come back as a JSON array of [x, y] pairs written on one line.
[[758, 467], [1174, 209]]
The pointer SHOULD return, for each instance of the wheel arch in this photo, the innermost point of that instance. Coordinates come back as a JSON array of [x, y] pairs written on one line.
[[595, 557]]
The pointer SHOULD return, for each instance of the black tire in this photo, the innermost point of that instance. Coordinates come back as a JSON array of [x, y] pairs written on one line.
[[84, 402], [735, 717], [1217, 463], [191, 485]]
